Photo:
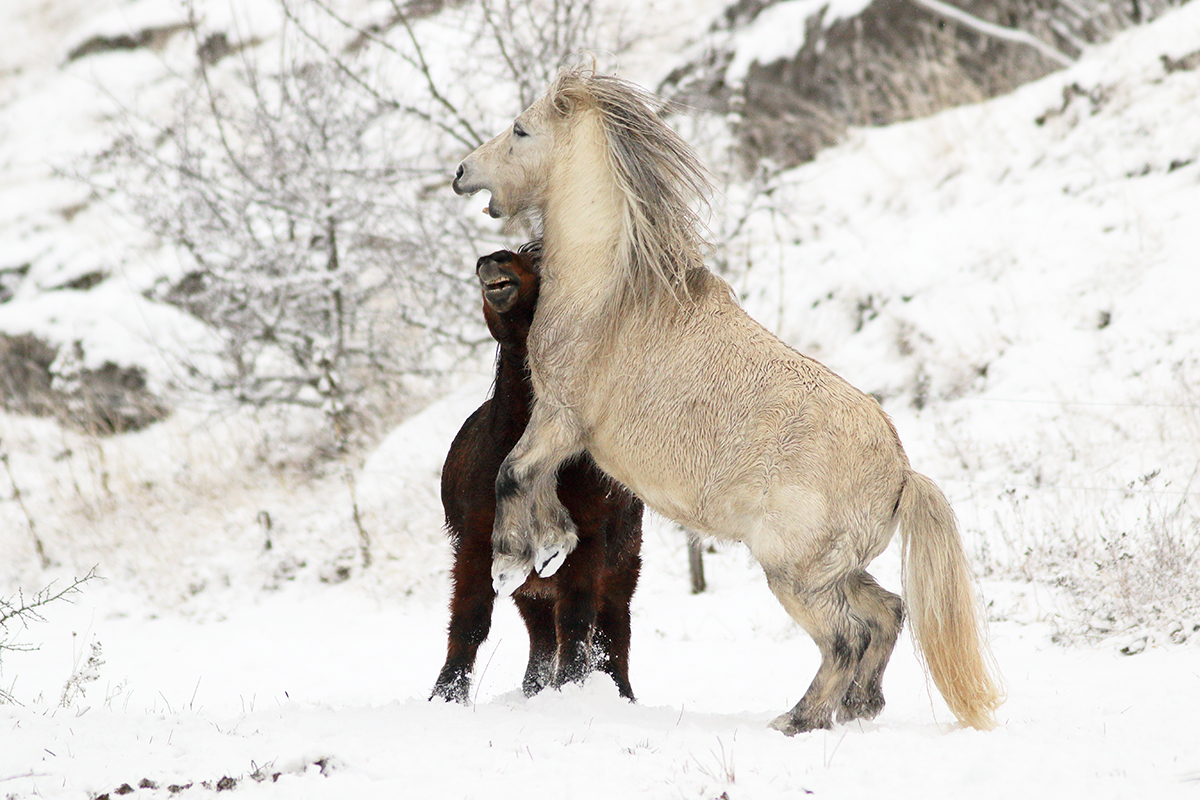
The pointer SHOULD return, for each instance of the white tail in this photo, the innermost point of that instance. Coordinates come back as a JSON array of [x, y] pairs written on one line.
[[942, 609]]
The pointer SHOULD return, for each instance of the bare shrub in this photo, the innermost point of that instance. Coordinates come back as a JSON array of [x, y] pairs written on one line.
[[1121, 574], [325, 282], [19, 611]]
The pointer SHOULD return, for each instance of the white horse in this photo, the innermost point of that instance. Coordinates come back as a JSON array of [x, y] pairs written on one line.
[[642, 357]]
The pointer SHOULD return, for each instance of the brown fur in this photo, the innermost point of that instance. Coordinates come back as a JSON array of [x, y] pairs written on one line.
[[578, 618]]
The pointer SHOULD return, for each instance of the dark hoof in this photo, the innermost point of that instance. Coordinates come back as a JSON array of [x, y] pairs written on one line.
[[532, 686], [452, 689], [866, 706]]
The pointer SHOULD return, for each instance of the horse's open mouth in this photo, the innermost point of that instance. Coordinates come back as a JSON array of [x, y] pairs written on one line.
[[499, 284]]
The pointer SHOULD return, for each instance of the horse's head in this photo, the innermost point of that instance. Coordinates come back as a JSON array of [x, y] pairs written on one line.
[[594, 163], [510, 290], [515, 165]]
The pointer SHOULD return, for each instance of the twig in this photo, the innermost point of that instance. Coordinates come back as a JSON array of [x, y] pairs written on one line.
[[42, 598], [429, 82]]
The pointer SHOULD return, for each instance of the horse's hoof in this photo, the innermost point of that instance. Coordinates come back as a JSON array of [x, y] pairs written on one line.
[[453, 690], [788, 725], [508, 574], [784, 724], [865, 706], [447, 697], [547, 560]]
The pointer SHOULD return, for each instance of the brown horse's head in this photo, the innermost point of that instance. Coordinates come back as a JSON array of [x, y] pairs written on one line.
[[509, 282]]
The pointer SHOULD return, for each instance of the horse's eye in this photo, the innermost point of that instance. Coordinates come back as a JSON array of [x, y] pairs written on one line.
[[518, 131]]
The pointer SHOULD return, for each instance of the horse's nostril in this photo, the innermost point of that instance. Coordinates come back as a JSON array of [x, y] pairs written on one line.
[[458, 175]]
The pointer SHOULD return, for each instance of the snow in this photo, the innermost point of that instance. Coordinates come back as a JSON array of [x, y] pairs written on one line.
[[1040, 279], [780, 30], [291, 680], [1021, 295]]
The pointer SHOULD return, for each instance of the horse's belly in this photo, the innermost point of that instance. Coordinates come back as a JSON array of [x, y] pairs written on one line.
[[679, 478], [657, 487]]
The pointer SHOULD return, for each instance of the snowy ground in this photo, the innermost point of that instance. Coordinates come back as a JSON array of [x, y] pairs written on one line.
[[328, 689], [1020, 294]]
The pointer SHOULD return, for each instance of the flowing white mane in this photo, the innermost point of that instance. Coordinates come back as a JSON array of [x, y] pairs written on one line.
[[660, 182]]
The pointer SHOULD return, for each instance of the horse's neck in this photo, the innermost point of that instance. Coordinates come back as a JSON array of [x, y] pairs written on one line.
[[583, 219], [513, 395]]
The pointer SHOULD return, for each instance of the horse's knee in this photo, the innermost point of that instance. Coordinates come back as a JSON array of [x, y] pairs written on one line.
[[507, 485]]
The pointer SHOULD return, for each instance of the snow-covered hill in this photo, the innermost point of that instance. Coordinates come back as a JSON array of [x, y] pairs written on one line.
[[1015, 280]]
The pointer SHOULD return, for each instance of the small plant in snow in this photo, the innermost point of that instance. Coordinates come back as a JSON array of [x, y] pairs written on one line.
[[1127, 583], [81, 676]]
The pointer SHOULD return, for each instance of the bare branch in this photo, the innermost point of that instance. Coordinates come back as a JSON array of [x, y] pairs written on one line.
[[25, 611], [430, 84]]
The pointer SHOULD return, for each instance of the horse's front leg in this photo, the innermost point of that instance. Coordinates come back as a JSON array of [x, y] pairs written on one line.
[[533, 531]]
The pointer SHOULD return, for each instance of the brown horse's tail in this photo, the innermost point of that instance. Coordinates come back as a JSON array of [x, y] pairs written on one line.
[[942, 609]]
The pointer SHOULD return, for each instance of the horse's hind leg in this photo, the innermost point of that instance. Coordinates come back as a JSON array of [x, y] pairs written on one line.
[[613, 626], [538, 614], [883, 614], [825, 613]]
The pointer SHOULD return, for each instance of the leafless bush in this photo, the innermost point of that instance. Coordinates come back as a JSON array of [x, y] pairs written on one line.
[[19, 611], [1121, 577], [327, 283]]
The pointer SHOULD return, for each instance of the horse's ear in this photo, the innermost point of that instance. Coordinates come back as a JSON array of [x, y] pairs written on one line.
[[564, 102], [570, 93]]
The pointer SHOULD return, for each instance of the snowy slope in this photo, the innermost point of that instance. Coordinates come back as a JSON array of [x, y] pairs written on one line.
[[1018, 281], [1019, 293]]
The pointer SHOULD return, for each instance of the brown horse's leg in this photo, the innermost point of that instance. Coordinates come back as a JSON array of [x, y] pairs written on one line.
[[470, 617], [825, 614], [538, 614], [575, 609], [612, 623], [883, 613]]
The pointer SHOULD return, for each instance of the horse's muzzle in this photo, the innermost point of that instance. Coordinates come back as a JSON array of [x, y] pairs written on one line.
[[458, 176], [464, 183]]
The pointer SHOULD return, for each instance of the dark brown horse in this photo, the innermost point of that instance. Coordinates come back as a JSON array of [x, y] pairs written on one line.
[[577, 619]]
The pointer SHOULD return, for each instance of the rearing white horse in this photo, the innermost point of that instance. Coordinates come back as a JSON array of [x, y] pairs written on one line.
[[642, 357]]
